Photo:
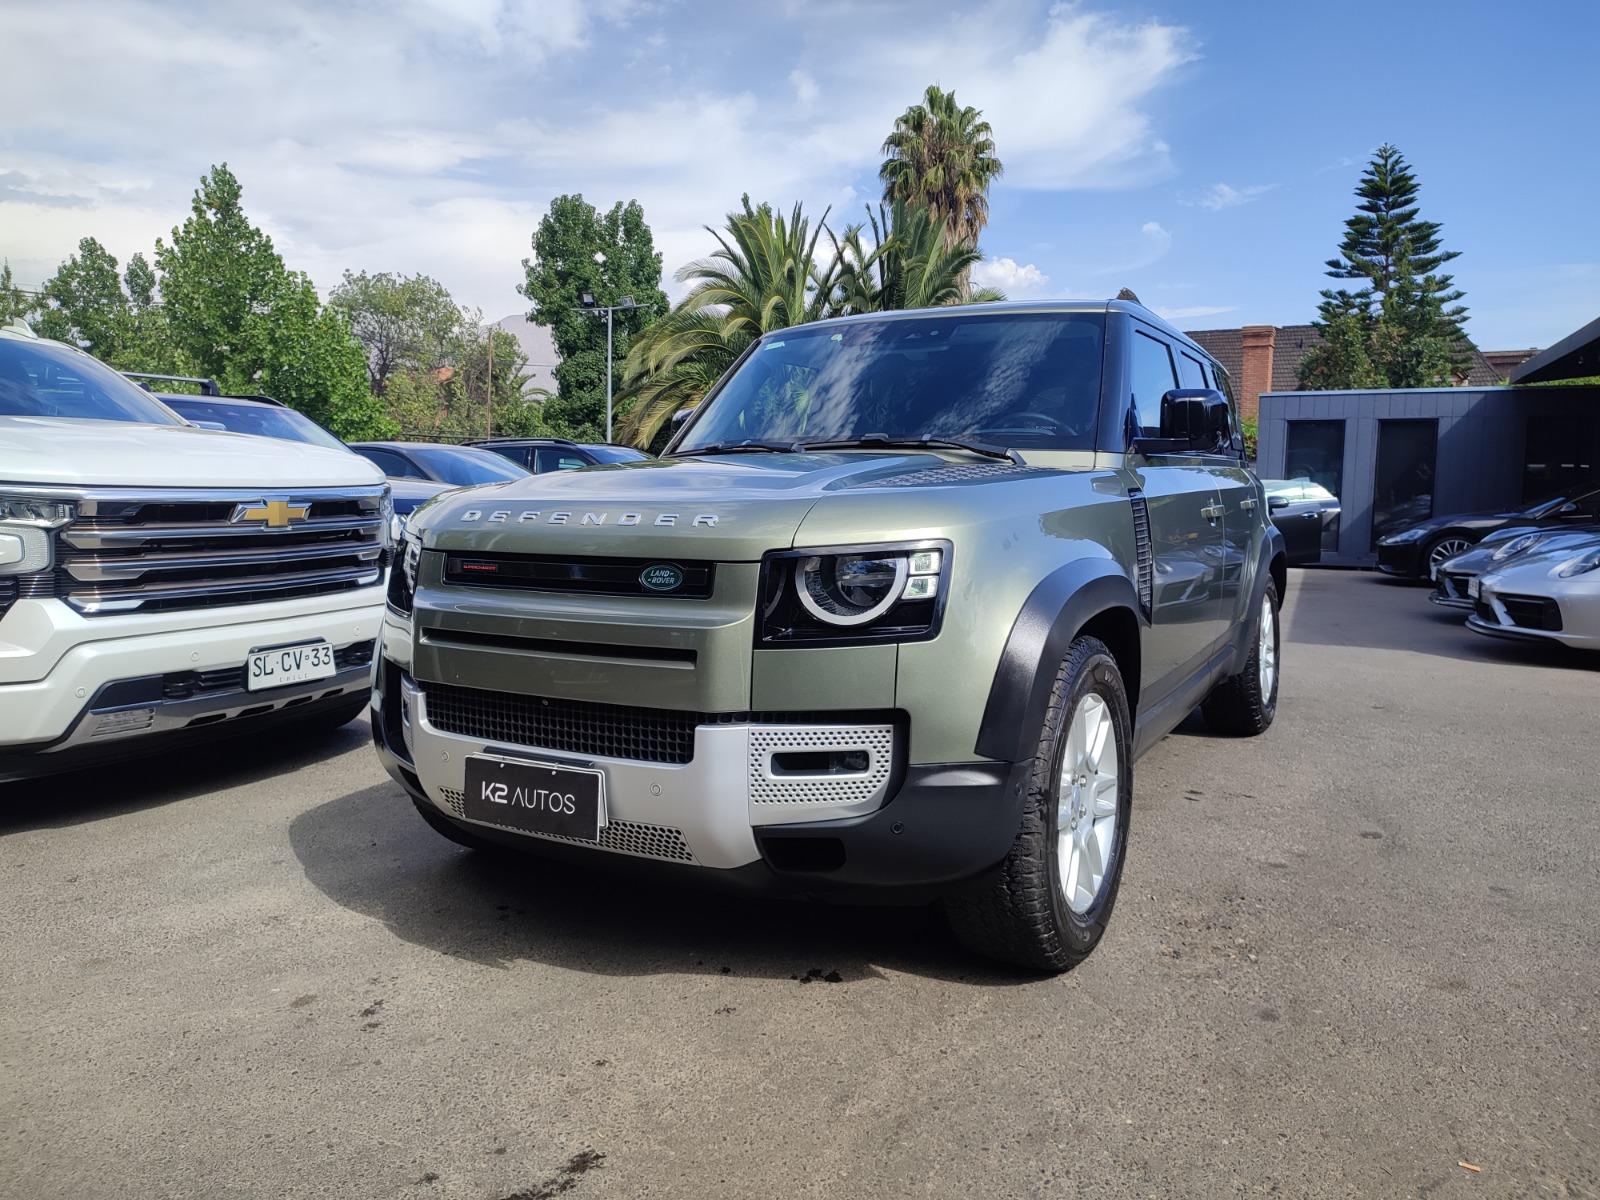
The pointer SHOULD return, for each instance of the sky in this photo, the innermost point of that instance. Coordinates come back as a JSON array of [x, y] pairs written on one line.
[[1201, 153]]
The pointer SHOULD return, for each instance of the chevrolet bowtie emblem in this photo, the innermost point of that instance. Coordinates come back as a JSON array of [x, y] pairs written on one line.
[[276, 514]]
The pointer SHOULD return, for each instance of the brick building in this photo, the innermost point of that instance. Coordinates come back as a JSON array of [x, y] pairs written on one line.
[[1266, 358]]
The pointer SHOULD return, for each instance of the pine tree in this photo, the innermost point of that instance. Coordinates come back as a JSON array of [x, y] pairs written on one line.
[[1403, 327]]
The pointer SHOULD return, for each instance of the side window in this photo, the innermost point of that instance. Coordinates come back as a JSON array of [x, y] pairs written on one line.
[[1153, 378], [389, 463], [551, 459], [1220, 381], [1190, 373]]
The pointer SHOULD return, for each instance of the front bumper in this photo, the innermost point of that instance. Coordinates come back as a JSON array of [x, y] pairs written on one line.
[[1403, 560], [909, 831]]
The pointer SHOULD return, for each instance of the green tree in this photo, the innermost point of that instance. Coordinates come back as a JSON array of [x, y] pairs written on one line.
[[83, 303], [239, 315], [942, 154], [764, 275], [401, 321], [908, 263], [14, 302], [1403, 327], [577, 250]]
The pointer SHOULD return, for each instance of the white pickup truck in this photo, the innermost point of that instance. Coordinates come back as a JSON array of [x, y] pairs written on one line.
[[160, 582]]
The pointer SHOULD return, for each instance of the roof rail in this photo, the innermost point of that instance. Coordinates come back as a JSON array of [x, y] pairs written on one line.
[[208, 387], [554, 441]]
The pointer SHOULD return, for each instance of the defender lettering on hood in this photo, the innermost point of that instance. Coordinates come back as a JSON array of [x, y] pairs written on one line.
[[529, 516]]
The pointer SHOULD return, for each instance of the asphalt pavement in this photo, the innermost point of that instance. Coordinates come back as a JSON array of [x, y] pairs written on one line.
[[1349, 957]]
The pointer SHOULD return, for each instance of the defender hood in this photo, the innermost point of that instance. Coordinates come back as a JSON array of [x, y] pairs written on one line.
[[75, 453], [728, 508]]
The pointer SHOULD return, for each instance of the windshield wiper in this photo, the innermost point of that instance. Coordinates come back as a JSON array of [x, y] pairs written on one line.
[[883, 440], [745, 447]]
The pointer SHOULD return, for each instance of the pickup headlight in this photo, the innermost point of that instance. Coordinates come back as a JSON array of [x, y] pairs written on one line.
[[27, 531], [1404, 536], [851, 595], [1517, 545], [403, 575], [1581, 565]]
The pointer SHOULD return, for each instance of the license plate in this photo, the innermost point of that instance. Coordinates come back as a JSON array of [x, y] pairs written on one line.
[[1473, 587], [288, 664], [535, 797]]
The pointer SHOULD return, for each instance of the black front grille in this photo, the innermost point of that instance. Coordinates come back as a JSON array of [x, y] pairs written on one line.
[[181, 685], [681, 579], [1453, 584], [8, 594], [1533, 612], [576, 726]]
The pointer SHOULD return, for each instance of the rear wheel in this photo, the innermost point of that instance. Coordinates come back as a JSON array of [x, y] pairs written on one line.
[[1244, 704], [1046, 905]]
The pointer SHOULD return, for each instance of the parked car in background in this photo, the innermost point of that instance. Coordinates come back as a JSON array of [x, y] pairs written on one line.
[[439, 462], [541, 455], [1416, 552], [161, 582], [1456, 580], [263, 416], [1551, 597], [1303, 511]]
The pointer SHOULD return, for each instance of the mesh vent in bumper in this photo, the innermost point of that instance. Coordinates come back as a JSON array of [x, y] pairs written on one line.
[[619, 837], [575, 726], [769, 788]]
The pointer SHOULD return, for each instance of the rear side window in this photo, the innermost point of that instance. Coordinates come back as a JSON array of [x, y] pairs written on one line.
[[1152, 378], [1190, 373], [551, 459]]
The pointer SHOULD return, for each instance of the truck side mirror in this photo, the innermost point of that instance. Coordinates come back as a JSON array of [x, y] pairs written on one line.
[[1192, 419]]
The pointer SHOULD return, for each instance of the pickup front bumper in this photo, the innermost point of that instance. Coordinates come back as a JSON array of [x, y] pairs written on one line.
[[889, 829]]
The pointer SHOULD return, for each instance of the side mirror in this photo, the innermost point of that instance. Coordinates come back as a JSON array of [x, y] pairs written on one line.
[[1192, 419], [1276, 502]]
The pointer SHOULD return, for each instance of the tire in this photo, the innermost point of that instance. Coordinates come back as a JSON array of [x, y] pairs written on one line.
[[1442, 548], [1244, 705], [1019, 913]]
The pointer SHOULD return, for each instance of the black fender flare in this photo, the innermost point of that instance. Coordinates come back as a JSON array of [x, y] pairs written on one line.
[[1060, 605], [1272, 550]]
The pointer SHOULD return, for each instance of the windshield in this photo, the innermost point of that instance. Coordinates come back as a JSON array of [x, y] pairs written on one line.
[[262, 420], [465, 466], [38, 379], [614, 454], [1012, 379], [1550, 504]]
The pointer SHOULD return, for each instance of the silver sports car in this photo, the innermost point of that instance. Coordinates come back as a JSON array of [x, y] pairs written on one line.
[[1456, 579], [1544, 597]]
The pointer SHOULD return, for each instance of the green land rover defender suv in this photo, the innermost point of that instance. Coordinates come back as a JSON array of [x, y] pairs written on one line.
[[891, 619]]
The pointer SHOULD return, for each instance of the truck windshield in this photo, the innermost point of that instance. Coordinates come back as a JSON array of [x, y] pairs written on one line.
[[1003, 378], [40, 379]]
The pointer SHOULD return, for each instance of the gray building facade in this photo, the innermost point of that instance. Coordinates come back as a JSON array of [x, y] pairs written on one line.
[[1394, 457]]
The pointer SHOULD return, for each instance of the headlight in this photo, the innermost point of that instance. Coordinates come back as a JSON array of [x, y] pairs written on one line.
[[1581, 565], [853, 594], [403, 575], [391, 524], [27, 527], [1516, 546], [1404, 536]]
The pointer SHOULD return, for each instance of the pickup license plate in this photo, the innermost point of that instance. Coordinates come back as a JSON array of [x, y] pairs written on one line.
[[535, 797], [288, 664]]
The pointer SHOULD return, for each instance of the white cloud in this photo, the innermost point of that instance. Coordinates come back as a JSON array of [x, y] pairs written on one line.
[[1224, 195], [805, 87], [431, 134], [1187, 312], [1019, 281]]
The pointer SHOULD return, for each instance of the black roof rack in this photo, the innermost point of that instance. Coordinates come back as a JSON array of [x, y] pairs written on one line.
[[544, 441], [208, 387]]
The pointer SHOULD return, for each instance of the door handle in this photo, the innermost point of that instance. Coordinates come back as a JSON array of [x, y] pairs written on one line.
[[1247, 505], [1312, 516], [1212, 511]]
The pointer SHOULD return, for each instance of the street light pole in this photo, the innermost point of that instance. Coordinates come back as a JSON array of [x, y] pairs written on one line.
[[587, 304]]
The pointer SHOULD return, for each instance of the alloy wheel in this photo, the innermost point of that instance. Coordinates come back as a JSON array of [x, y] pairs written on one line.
[[1086, 811], [1445, 550], [1267, 649]]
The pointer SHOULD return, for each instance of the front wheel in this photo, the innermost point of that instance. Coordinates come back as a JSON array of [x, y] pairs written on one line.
[[1047, 904], [1244, 704]]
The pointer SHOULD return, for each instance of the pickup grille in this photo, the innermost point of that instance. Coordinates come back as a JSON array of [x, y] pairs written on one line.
[[132, 551]]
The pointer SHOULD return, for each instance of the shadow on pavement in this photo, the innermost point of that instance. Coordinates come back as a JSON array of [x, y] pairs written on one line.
[[371, 853], [1390, 614], [104, 791]]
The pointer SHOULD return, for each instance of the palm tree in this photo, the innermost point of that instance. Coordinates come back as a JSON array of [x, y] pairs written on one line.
[[764, 275], [908, 264], [942, 155]]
